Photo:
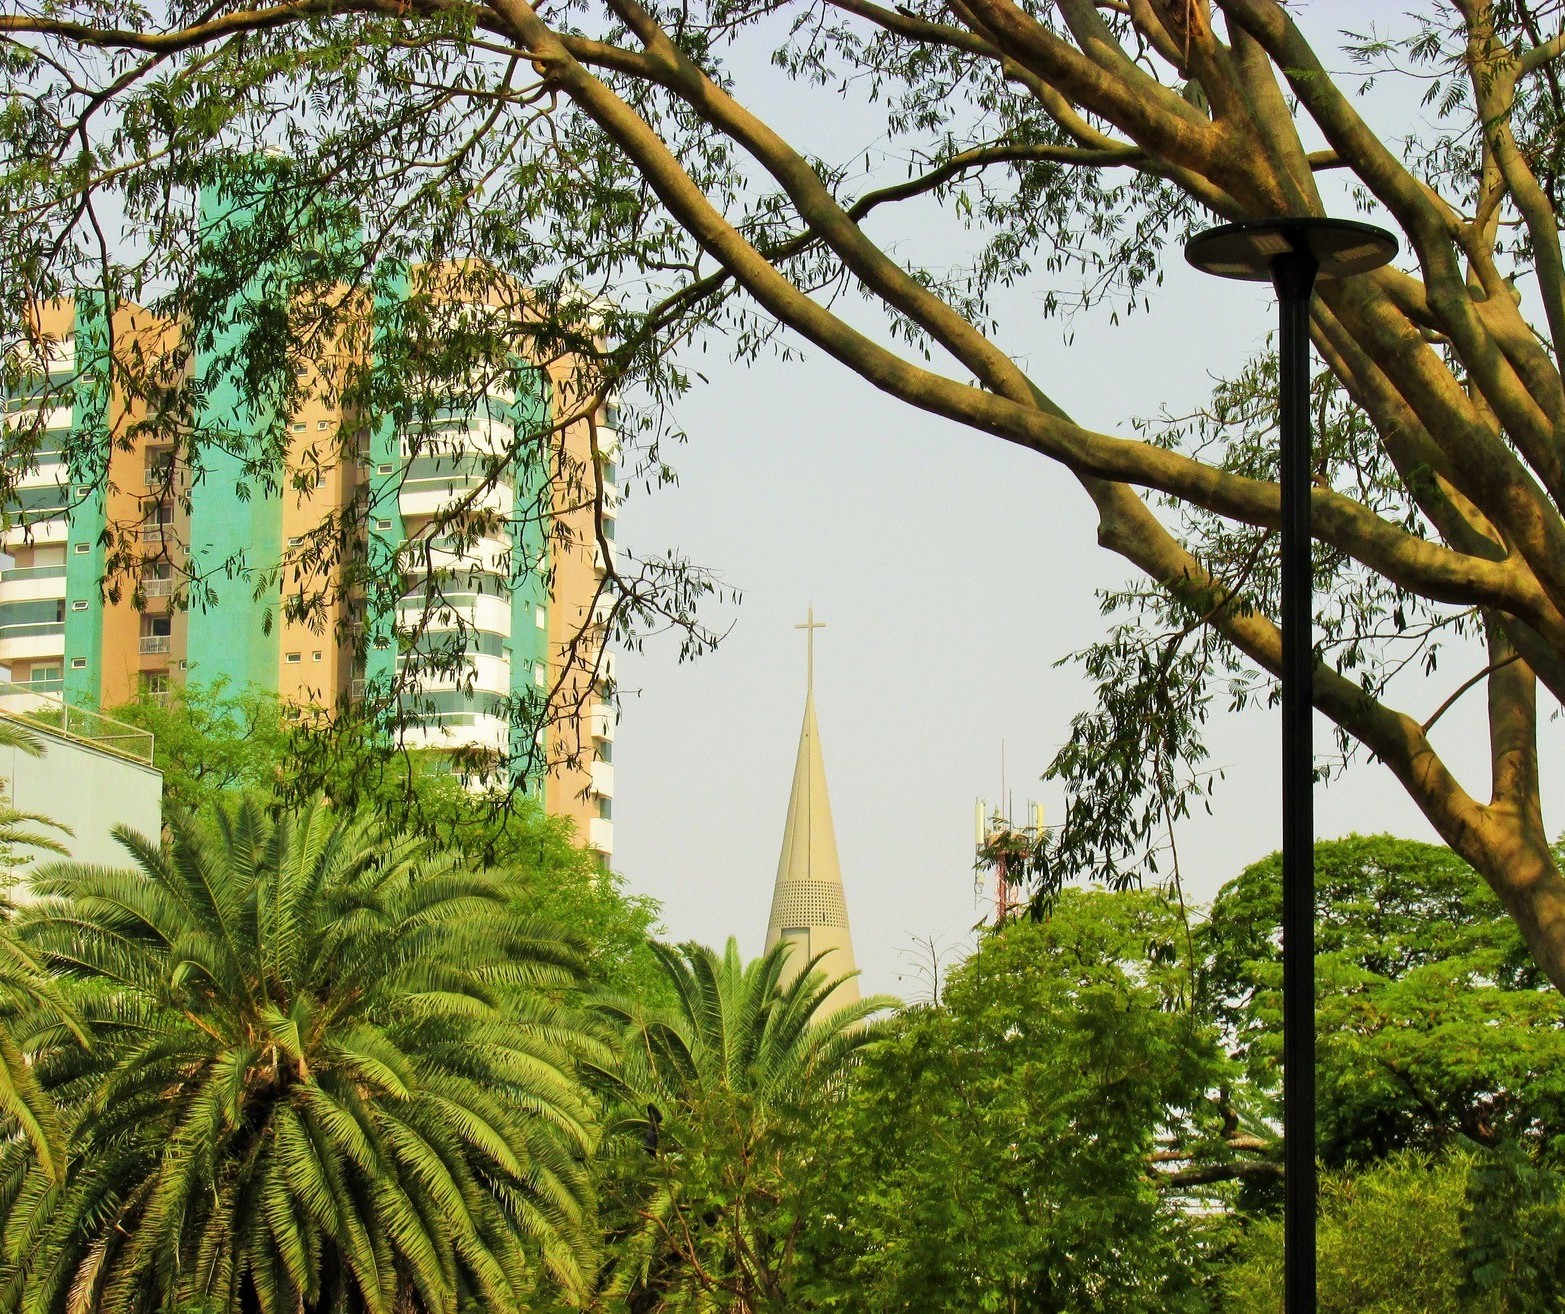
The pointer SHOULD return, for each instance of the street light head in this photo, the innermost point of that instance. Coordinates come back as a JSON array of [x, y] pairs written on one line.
[[1250, 250]]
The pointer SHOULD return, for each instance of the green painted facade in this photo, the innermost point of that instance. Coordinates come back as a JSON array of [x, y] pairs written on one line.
[[236, 521], [235, 525], [84, 550], [530, 567], [386, 532]]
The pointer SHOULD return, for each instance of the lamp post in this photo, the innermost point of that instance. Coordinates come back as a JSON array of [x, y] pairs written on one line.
[[1291, 254]]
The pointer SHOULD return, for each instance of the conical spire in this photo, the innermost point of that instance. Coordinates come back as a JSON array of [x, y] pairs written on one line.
[[808, 907]]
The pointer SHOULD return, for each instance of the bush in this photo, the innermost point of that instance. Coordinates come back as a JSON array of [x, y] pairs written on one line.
[[1391, 1242]]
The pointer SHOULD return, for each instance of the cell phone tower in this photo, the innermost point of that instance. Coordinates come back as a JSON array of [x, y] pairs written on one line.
[[1014, 853]]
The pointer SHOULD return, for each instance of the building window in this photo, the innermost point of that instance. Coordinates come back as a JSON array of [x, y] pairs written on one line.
[[316, 656], [154, 682], [322, 425], [155, 634], [294, 657], [606, 808], [79, 605], [539, 619], [298, 426], [44, 675], [538, 674], [59, 613], [385, 469], [383, 524], [83, 548], [78, 663], [295, 542]]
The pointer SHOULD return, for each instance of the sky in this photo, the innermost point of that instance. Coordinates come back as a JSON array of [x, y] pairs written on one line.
[[953, 573]]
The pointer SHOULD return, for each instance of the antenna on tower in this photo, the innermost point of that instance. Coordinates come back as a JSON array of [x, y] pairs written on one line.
[[1016, 854]]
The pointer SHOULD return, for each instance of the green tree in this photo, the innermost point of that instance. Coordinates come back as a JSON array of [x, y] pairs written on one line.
[[32, 1012], [1434, 1023], [213, 744], [613, 160], [996, 1152], [29, 1003], [709, 1157], [327, 1070], [1391, 1242], [1513, 1232]]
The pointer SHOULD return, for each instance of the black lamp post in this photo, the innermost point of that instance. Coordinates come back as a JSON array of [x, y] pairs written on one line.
[[1291, 254]]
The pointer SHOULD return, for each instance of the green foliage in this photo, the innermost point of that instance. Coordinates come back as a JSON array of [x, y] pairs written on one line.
[[327, 1068], [993, 1154], [1390, 1242], [210, 741], [213, 743], [1434, 1024], [32, 1010], [707, 1161], [1513, 1234]]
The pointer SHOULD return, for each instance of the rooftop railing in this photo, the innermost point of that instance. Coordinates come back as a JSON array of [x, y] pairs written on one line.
[[47, 711]]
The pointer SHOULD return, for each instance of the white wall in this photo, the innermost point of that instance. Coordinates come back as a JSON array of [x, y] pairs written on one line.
[[87, 789]]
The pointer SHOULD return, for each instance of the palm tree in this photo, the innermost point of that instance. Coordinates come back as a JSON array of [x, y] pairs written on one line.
[[31, 1010], [329, 1072], [718, 1093], [28, 998]]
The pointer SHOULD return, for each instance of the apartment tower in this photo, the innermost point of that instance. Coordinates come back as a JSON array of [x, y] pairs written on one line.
[[84, 616]]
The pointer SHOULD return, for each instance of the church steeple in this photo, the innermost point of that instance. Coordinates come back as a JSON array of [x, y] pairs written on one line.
[[808, 907]]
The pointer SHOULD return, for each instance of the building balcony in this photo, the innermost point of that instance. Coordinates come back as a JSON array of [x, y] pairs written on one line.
[[38, 532], [600, 722], [483, 674], [33, 584], [154, 643], [15, 647], [481, 613], [600, 835], [32, 572], [157, 533], [46, 474], [445, 496], [603, 779], [57, 417], [157, 588], [458, 730]]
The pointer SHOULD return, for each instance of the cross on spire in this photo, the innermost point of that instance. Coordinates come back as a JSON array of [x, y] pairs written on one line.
[[809, 627]]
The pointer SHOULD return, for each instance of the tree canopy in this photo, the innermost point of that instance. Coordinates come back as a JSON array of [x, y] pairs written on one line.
[[214, 744], [1435, 1027], [718, 1095], [606, 158], [325, 1067], [996, 1151]]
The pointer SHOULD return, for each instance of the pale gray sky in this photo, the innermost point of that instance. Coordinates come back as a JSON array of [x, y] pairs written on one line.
[[952, 571]]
